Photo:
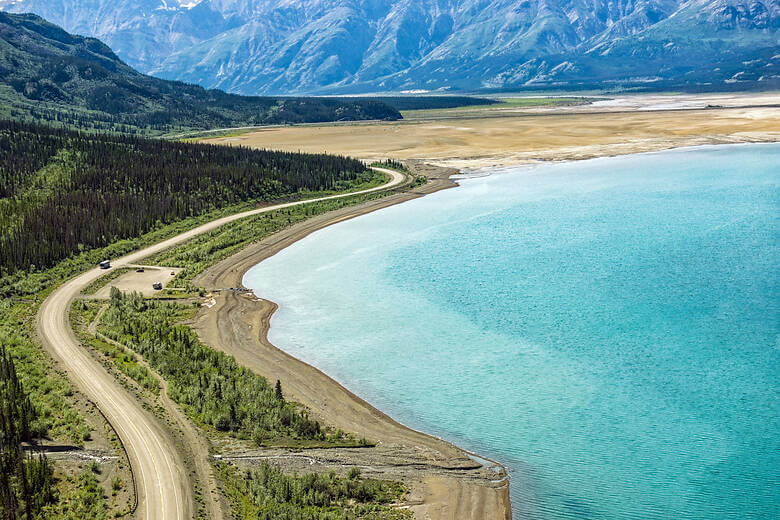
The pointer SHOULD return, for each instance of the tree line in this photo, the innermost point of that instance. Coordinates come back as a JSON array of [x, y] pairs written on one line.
[[26, 481], [272, 495], [429, 102], [63, 191]]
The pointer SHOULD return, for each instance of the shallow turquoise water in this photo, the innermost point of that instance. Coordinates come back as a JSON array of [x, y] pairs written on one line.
[[607, 329]]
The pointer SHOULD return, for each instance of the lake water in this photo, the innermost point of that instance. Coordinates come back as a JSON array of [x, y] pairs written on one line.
[[607, 329]]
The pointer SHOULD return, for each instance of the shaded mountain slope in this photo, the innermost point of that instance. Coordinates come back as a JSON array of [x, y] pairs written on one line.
[[48, 74]]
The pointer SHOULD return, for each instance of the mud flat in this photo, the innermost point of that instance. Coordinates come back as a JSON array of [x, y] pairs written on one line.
[[445, 482]]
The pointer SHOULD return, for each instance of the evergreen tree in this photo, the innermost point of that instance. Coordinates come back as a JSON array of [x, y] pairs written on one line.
[[63, 192], [26, 483]]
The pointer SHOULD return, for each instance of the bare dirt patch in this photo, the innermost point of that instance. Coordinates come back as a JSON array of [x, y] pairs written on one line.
[[141, 282]]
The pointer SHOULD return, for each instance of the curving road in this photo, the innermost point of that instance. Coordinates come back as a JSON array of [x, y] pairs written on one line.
[[161, 479]]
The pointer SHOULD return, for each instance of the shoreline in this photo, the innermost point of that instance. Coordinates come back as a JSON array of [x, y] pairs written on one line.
[[467, 173], [445, 481], [475, 164], [438, 486]]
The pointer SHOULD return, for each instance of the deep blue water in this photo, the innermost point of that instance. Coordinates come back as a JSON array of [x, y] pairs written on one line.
[[607, 329]]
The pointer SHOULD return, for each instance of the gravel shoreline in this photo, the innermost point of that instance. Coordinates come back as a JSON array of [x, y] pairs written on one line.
[[444, 482]]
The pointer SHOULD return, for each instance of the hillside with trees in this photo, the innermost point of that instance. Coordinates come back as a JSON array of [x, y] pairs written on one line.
[[49, 75], [63, 191]]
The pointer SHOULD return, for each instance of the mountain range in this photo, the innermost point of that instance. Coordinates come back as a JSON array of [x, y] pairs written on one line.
[[350, 46], [47, 74]]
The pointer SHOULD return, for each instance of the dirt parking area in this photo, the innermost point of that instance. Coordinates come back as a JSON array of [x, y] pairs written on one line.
[[140, 279]]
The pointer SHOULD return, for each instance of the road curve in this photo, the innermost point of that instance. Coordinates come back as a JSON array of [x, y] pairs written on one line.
[[161, 478]]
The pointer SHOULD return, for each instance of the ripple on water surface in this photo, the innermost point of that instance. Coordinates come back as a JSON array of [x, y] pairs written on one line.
[[608, 329]]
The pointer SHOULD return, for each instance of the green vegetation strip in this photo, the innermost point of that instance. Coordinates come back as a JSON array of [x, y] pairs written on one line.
[[266, 493], [214, 389], [496, 105], [203, 251], [104, 280]]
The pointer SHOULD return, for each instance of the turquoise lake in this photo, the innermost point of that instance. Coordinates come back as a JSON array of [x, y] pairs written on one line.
[[607, 329]]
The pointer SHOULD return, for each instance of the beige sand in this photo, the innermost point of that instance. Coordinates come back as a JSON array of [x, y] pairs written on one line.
[[520, 137]]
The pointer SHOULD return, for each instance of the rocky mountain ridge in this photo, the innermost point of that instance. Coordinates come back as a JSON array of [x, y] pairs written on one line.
[[346, 46]]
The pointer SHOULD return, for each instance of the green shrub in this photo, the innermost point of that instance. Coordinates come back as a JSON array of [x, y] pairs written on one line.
[[273, 495], [210, 384]]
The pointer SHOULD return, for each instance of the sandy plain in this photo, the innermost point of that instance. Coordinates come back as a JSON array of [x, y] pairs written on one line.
[[499, 136]]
